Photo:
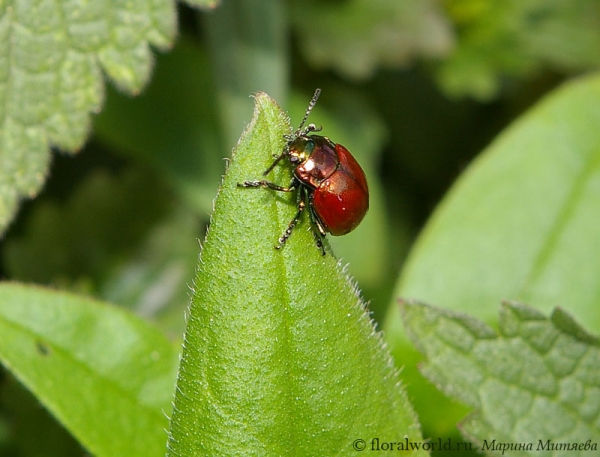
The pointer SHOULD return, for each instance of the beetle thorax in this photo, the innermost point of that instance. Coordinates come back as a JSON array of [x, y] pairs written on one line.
[[315, 157]]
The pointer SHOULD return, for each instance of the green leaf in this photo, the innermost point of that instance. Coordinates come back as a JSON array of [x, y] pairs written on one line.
[[52, 59], [518, 39], [105, 374], [280, 356], [358, 36], [537, 380], [520, 223]]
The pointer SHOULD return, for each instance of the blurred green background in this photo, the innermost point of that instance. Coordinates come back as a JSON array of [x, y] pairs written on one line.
[[414, 89]]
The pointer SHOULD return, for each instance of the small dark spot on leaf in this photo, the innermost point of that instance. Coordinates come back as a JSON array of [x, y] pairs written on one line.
[[42, 348]]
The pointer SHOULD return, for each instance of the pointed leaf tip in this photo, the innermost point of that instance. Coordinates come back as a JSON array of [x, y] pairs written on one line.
[[280, 357]]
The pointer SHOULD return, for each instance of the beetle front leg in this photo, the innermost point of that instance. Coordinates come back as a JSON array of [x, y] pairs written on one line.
[[269, 185]]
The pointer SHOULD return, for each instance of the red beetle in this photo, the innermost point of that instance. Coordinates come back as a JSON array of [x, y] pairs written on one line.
[[329, 181]]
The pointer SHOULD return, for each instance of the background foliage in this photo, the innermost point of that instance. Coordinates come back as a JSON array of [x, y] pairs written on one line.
[[415, 89]]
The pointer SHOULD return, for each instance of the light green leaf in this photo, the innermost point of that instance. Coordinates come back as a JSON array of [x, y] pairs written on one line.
[[538, 380], [52, 59], [105, 374], [280, 357], [520, 223]]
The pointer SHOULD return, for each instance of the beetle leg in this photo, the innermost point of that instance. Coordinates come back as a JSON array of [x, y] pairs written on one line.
[[301, 206], [318, 241], [269, 185], [318, 223], [315, 218], [320, 232]]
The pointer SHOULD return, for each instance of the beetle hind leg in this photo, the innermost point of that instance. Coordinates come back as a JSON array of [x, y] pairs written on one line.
[[319, 241], [288, 232], [318, 229]]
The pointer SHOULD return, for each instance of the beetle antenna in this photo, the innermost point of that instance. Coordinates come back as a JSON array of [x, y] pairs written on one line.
[[309, 109]]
